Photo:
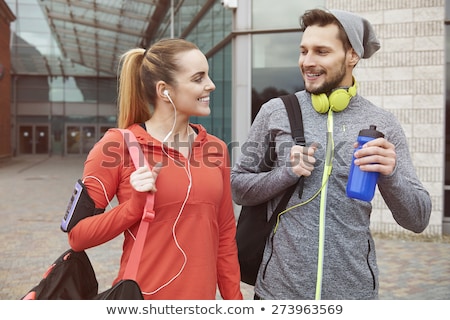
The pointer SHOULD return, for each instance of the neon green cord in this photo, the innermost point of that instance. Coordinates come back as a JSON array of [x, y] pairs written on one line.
[[323, 203], [297, 205]]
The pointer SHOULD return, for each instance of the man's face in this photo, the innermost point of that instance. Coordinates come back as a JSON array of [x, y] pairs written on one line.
[[323, 62]]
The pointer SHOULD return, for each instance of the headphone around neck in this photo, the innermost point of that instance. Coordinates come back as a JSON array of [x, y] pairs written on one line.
[[337, 101]]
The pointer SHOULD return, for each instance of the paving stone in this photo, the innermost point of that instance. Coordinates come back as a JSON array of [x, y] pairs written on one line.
[[35, 190]]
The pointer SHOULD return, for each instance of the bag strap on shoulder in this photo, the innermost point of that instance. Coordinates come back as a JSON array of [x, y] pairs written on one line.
[[148, 215], [295, 118], [294, 112]]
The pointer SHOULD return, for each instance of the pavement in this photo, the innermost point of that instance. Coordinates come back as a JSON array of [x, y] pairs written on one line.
[[34, 192]]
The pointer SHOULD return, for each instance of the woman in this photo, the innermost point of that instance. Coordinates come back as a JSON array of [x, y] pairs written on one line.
[[190, 247]]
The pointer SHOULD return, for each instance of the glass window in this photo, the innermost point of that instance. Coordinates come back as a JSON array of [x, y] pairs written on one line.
[[447, 11], [219, 122], [64, 90], [32, 89], [269, 14], [214, 26], [275, 67]]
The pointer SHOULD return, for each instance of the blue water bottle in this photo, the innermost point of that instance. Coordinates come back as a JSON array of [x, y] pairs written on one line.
[[361, 185]]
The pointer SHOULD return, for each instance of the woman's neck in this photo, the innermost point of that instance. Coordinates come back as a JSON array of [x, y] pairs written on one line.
[[179, 136]]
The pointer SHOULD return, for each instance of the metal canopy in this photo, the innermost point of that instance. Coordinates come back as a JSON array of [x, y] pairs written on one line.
[[87, 37], [95, 33]]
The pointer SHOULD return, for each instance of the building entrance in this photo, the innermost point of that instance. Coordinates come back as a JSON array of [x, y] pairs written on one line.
[[33, 139], [80, 138]]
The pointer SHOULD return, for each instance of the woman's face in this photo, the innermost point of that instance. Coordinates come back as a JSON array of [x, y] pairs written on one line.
[[193, 85]]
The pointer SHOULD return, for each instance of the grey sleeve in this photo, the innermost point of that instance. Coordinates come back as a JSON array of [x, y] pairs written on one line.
[[250, 185], [404, 194]]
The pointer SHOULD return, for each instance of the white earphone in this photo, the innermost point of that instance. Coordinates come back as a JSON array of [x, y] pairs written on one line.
[[187, 169]]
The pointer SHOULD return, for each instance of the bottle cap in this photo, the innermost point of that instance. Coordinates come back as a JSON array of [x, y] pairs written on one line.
[[371, 132]]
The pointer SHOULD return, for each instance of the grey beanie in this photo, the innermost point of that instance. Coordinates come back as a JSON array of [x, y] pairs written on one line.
[[360, 33]]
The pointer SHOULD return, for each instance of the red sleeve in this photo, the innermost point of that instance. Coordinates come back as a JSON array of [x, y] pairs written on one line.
[[104, 172], [228, 272]]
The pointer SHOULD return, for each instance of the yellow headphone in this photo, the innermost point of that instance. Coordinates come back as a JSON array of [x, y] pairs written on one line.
[[337, 101]]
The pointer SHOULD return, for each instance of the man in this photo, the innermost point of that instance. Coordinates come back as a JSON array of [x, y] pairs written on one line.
[[323, 248]]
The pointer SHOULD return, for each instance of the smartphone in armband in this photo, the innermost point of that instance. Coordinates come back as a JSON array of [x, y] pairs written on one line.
[[80, 206]]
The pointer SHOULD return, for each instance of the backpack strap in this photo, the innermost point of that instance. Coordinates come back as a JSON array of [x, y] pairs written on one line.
[[296, 121], [294, 112], [295, 118]]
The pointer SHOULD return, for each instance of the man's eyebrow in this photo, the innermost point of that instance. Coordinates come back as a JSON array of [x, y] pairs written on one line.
[[317, 47]]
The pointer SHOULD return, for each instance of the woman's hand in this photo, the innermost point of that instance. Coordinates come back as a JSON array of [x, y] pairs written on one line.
[[144, 179]]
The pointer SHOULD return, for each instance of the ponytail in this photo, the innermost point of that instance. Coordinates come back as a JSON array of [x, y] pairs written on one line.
[[132, 103]]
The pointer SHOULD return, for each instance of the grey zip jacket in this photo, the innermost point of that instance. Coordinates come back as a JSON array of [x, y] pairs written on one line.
[[289, 266]]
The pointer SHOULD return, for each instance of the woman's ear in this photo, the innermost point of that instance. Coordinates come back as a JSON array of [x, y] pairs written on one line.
[[162, 90]]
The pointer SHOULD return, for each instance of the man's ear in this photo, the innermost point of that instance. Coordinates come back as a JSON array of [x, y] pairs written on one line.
[[352, 57]]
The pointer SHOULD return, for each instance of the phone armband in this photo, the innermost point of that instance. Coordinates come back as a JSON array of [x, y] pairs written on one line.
[[80, 206]]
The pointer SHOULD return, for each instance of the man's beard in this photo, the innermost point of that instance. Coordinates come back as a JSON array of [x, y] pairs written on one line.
[[328, 86]]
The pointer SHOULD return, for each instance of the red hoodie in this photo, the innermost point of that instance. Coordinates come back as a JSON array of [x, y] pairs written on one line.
[[186, 256]]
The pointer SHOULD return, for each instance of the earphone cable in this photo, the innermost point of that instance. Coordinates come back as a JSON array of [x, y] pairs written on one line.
[[189, 176], [103, 187]]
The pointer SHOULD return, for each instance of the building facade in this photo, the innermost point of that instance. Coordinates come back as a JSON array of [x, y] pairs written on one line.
[[6, 17], [406, 77], [62, 104]]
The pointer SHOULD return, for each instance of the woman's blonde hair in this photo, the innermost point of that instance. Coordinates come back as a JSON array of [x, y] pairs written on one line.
[[140, 70]]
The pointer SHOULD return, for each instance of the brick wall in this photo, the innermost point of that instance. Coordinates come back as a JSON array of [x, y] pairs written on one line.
[[407, 77], [6, 17]]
